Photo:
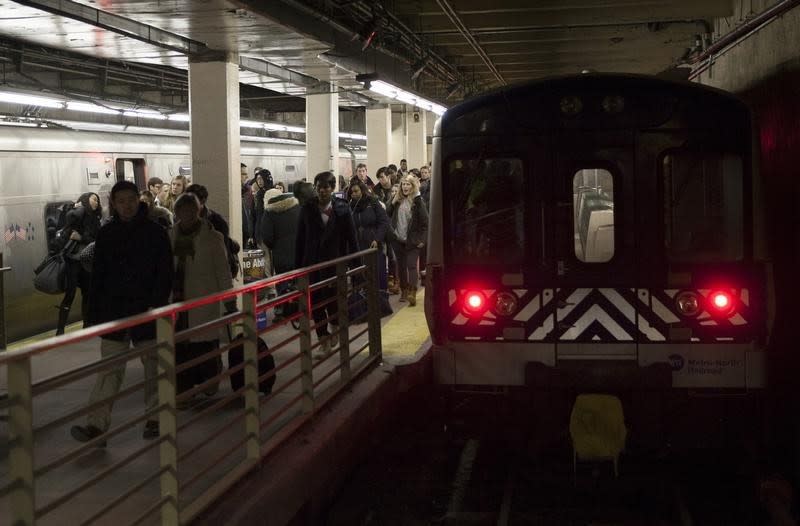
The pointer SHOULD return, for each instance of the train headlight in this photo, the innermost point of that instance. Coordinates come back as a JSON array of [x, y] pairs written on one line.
[[721, 302], [474, 302], [613, 104], [571, 105], [688, 303], [505, 304]]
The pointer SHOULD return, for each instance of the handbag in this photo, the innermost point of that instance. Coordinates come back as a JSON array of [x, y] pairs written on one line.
[[51, 274], [86, 257]]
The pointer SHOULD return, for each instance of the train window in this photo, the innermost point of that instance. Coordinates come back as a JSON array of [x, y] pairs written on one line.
[[703, 206], [593, 215], [487, 210]]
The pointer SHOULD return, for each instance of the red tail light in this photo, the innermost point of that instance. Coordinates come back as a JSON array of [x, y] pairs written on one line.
[[721, 302], [474, 302]]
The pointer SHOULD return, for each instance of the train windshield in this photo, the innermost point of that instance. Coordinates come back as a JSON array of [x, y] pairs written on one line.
[[703, 205], [486, 210]]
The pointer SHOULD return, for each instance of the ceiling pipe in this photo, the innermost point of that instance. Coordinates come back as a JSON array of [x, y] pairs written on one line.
[[464, 30], [739, 34]]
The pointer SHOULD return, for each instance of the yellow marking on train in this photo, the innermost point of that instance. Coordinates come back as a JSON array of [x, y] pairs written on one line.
[[405, 332]]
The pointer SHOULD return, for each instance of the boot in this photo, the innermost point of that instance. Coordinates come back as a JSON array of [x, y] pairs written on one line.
[[63, 314], [412, 296], [394, 288], [404, 295]]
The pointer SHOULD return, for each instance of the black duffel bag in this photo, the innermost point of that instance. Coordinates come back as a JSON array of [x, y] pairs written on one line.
[[265, 365], [51, 274]]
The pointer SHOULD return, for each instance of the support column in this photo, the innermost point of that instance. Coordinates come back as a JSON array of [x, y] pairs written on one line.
[[322, 134], [214, 110], [379, 138], [416, 130]]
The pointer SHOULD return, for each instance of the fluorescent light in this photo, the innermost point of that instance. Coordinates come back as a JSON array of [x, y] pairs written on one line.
[[357, 136], [251, 124], [272, 126], [32, 100], [22, 124], [180, 117], [144, 114], [295, 129], [91, 108], [387, 90]]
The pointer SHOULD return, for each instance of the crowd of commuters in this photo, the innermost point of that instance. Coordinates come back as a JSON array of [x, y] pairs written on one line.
[[167, 237]]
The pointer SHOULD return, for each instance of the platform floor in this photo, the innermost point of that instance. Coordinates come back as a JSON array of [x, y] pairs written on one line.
[[404, 337]]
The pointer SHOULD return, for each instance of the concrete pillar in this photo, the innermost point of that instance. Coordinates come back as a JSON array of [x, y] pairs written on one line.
[[214, 110], [322, 134], [416, 133], [397, 150], [430, 123], [379, 138]]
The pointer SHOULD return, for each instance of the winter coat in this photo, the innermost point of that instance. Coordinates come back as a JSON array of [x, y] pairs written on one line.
[[384, 194], [258, 209], [85, 222], [370, 220], [317, 242], [247, 213], [160, 215], [132, 273], [418, 227], [278, 230], [425, 191], [206, 273]]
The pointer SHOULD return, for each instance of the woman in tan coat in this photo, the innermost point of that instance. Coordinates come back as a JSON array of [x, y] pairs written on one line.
[[201, 268]]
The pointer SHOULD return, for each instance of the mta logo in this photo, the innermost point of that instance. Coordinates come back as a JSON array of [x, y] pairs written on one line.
[[676, 361]]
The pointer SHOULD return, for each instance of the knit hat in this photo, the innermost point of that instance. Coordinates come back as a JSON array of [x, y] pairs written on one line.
[[269, 194]]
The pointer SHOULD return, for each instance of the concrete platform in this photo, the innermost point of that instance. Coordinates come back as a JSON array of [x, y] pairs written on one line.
[[404, 335]]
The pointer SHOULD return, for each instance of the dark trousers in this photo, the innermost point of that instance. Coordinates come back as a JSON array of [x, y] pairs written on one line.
[[75, 277], [328, 311], [407, 256], [197, 374]]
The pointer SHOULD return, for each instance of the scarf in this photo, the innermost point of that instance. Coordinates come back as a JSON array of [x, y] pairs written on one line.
[[183, 248]]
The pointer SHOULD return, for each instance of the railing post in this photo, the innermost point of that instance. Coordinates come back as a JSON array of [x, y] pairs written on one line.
[[20, 423], [306, 363], [373, 305], [250, 357], [168, 419], [344, 320]]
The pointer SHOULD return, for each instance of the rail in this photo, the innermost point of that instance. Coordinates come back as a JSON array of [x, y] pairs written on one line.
[[202, 448], [3, 333]]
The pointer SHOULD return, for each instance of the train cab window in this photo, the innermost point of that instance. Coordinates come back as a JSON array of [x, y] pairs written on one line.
[[486, 199], [593, 215], [703, 207], [133, 170]]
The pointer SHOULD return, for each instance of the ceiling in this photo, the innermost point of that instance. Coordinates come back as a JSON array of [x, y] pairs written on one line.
[[296, 47]]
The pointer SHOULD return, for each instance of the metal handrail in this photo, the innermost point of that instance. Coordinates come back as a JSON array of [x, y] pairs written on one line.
[[284, 410]]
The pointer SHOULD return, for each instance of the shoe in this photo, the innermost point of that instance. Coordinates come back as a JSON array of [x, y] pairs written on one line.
[[404, 295], [324, 348], [150, 430], [412, 296], [334, 337], [87, 433]]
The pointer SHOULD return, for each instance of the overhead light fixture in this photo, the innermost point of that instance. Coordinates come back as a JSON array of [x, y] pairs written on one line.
[[179, 117], [357, 136], [23, 124], [91, 108], [30, 100], [387, 90], [145, 114], [250, 124]]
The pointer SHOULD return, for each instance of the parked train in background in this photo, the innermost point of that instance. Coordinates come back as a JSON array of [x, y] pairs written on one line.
[[40, 169], [598, 233]]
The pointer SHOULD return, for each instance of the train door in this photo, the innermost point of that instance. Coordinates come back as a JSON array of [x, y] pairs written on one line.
[[134, 170], [595, 249]]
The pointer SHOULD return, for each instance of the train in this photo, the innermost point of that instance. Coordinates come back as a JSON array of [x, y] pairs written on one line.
[[43, 168], [602, 232]]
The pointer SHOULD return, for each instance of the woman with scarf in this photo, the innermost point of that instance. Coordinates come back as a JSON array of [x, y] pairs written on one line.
[[201, 268], [408, 230], [83, 223]]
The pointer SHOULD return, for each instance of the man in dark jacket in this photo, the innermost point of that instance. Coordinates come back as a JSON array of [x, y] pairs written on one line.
[[325, 231], [132, 273]]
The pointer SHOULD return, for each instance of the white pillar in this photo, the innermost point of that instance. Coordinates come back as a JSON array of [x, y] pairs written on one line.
[[322, 134], [379, 138], [214, 110], [397, 149], [416, 133]]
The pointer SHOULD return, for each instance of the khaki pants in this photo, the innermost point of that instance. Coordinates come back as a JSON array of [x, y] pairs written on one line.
[[109, 381]]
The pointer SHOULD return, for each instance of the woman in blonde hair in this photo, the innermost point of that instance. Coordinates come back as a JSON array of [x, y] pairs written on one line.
[[408, 231], [176, 188]]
